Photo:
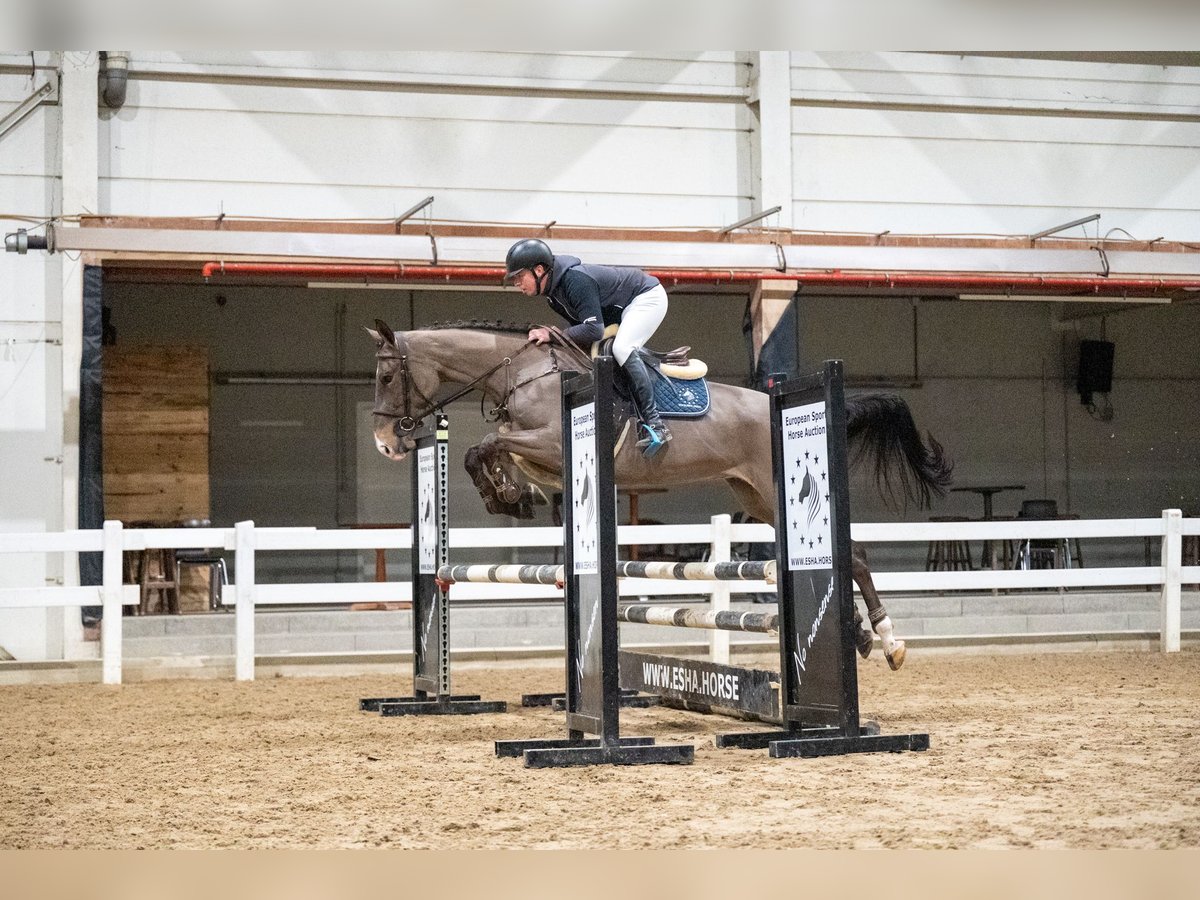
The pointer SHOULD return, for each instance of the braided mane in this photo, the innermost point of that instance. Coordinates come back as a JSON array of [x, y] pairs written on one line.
[[478, 325]]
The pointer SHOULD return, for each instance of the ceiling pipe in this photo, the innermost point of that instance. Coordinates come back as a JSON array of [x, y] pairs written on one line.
[[351, 270], [1000, 284]]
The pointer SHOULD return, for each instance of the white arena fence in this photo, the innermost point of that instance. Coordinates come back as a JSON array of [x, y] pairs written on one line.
[[245, 540]]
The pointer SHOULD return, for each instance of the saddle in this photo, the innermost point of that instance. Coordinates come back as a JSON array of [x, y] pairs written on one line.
[[676, 363]]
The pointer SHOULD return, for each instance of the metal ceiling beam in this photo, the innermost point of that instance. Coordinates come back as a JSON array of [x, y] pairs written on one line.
[[642, 254]]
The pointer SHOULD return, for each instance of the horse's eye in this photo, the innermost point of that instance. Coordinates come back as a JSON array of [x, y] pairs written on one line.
[[386, 379]]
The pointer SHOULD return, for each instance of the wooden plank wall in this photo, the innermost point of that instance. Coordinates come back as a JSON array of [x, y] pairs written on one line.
[[156, 402]]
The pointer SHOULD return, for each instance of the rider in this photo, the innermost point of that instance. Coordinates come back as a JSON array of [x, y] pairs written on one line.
[[591, 297]]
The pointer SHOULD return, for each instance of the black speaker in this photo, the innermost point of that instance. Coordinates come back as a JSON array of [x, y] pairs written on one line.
[[1095, 369]]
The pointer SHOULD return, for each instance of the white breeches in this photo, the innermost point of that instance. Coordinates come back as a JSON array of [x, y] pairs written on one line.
[[639, 322]]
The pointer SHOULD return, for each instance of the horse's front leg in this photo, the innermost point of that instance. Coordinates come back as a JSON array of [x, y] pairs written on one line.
[[893, 649], [541, 446], [495, 476]]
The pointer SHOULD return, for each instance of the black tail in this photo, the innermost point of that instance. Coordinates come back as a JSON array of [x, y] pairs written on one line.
[[880, 428]]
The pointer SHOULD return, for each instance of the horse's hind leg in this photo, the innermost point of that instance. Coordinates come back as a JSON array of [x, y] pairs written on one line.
[[758, 504], [893, 649]]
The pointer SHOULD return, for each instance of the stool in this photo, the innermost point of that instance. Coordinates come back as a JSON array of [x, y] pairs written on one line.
[[948, 556], [1001, 548], [159, 575]]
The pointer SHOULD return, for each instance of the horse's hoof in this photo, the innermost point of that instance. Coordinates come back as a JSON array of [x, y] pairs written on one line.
[[865, 641], [896, 657]]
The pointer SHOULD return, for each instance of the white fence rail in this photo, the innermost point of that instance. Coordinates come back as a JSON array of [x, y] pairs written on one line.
[[245, 540]]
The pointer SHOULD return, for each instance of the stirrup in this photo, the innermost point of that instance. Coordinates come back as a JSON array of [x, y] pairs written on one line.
[[653, 439]]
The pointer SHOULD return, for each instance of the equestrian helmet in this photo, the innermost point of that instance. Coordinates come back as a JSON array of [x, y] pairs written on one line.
[[525, 255]]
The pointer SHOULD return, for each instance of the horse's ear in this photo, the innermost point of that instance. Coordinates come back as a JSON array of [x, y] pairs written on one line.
[[384, 332]]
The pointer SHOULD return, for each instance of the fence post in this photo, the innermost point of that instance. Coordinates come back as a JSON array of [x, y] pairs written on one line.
[[243, 618], [719, 551], [1172, 560], [112, 617]]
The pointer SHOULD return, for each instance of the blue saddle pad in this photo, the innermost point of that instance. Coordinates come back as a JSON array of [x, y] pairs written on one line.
[[678, 399]]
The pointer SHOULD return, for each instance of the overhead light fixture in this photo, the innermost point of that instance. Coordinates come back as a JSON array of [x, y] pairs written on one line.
[[1094, 217], [1061, 298], [412, 211], [751, 218]]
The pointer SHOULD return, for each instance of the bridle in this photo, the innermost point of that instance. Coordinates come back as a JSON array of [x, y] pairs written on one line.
[[406, 422]]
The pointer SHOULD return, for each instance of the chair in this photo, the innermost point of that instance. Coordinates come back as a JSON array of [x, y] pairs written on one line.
[[1045, 553], [218, 575], [948, 556]]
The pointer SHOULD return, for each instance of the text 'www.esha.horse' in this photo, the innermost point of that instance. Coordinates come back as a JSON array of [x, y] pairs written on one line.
[[732, 442]]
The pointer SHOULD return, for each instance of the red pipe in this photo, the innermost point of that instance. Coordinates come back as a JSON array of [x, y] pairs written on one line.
[[1096, 285]]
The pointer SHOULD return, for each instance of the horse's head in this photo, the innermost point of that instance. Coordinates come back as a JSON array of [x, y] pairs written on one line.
[[403, 391]]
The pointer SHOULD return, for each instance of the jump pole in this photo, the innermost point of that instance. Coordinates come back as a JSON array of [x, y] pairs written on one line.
[[593, 697], [431, 694]]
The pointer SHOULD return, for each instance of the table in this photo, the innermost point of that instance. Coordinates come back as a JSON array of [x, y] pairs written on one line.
[[987, 491]]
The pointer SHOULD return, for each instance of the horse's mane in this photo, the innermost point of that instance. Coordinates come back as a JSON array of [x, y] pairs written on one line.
[[478, 325]]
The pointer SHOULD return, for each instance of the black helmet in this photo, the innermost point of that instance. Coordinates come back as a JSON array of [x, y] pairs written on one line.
[[525, 255]]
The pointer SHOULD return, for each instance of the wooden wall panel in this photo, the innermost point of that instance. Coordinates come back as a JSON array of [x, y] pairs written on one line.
[[156, 466]]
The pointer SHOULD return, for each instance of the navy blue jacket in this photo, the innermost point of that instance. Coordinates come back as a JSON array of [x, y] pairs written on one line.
[[590, 297]]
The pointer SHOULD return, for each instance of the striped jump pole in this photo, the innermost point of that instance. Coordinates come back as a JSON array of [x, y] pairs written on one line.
[[681, 617], [663, 571], [501, 574], [699, 571]]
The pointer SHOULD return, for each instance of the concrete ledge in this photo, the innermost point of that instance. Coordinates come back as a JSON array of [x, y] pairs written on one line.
[[359, 663]]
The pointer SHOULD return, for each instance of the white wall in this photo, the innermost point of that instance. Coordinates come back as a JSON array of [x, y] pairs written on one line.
[[937, 144], [31, 434], [524, 137]]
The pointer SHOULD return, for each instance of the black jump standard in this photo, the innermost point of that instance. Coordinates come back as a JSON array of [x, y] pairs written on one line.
[[430, 601], [593, 697], [818, 667]]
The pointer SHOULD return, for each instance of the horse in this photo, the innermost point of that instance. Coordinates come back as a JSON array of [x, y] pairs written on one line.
[[732, 442]]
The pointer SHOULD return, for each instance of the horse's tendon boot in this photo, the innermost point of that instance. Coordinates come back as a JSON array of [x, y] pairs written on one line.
[[492, 501]]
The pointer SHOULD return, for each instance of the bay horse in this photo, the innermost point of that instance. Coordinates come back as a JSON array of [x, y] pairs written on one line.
[[732, 442]]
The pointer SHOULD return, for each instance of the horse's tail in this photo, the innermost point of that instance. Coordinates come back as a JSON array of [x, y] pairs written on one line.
[[880, 429]]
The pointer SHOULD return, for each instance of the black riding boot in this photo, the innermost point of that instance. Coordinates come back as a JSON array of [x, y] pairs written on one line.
[[653, 434]]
